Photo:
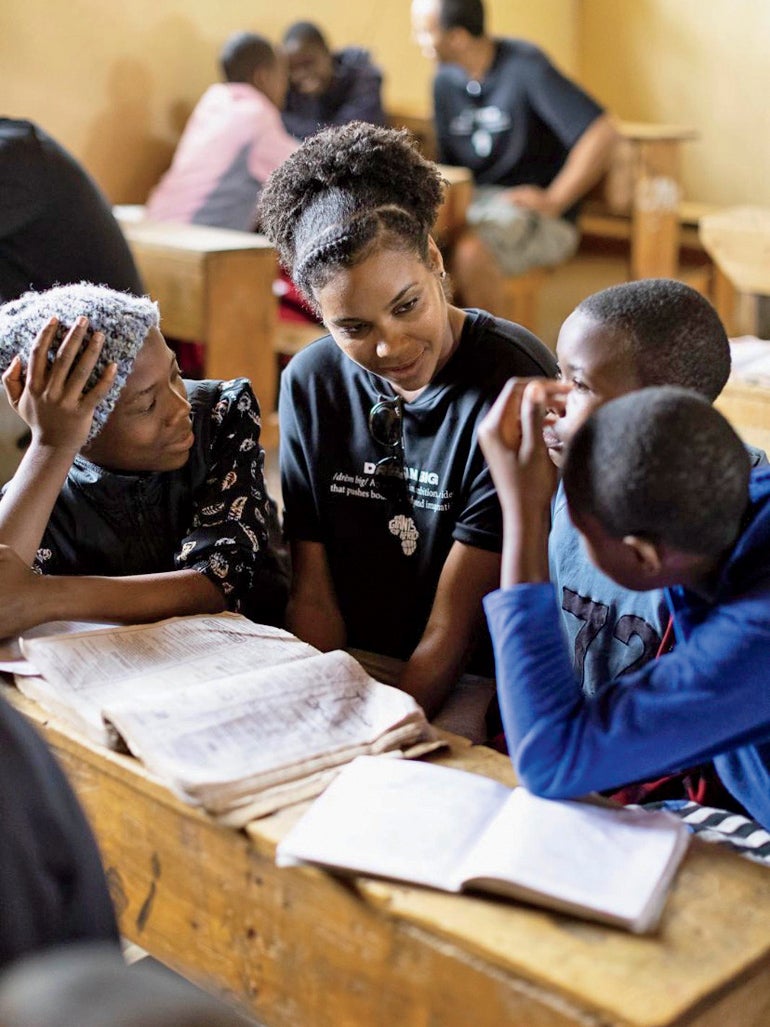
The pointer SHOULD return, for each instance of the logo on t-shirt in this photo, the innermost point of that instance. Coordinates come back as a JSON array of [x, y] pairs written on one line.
[[405, 529], [481, 124]]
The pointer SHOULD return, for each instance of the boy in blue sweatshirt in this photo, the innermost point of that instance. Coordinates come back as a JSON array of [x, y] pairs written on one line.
[[651, 332], [661, 489]]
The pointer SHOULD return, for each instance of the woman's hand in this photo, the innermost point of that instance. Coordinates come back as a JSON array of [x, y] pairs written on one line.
[[50, 398]]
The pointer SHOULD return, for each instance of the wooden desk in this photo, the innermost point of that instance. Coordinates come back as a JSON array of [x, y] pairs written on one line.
[[301, 948], [747, 407], [738, 240], [214, 286]]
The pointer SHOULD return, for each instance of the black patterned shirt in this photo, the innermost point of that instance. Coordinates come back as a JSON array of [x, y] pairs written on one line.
[[211, 515]]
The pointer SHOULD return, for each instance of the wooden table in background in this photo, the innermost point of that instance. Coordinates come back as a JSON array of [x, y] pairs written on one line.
[[302, 948], [638, 198], [214, 286], [640, 195]]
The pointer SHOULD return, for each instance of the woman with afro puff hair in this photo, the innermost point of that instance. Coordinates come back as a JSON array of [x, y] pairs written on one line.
[[390, 511]]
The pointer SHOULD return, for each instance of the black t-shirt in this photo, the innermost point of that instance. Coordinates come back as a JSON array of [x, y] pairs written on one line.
[[353, 95], [56, 227], [387, 538], [517, 125], [52, 886]]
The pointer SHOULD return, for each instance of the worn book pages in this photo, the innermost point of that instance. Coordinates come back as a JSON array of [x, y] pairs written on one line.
[[12, 660], [238, 717], [80, 672], [232, 737], [448, 829]]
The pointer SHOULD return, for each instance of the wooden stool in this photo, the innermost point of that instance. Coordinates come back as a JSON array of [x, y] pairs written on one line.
[[521, 294]]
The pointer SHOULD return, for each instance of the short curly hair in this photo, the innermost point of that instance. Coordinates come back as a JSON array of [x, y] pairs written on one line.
[[663, 464], [673, 334], [343, 191]]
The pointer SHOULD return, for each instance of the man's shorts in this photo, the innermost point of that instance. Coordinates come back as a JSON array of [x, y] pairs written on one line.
[[520, 239]]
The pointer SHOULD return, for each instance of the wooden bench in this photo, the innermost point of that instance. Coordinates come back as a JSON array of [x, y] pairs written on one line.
[[213, 286], [299, 947]]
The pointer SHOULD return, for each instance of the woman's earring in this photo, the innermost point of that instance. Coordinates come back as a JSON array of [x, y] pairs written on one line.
[[442, 274]]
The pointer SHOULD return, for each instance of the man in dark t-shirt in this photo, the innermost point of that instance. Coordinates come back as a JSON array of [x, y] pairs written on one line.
[[52, 886], [534, 140], [56, 227]]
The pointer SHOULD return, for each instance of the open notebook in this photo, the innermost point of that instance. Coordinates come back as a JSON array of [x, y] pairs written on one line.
[[427, 824]]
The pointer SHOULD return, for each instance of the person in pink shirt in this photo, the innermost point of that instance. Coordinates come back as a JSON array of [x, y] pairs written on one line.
[[233, 140]]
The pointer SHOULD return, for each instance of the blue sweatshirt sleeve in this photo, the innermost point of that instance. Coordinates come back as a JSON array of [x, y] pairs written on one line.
[[708, 696]]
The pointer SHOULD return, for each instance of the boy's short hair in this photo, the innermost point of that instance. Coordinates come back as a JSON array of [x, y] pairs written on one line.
[[674, 335], [124, 319], [662, 464], [462, 14], [305, 33], [243, 54]]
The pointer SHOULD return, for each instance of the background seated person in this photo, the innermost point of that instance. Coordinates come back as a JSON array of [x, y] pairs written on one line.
[[55, 224], [52, 886], [141, 497], [391, 514], [661, 489], [328, 88], [535, 142], [232, 141]]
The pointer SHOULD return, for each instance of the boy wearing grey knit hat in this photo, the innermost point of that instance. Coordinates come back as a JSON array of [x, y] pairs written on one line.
[[141, 496], [121, 320]]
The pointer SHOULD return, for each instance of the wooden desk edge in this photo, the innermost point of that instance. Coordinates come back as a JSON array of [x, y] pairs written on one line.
[[425, 928]]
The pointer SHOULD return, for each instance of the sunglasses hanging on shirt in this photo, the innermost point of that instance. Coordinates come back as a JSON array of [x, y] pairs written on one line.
[[386, 427]]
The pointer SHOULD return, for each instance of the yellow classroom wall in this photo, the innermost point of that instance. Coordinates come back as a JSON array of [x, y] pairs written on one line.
[[115, 81], [701, 63]]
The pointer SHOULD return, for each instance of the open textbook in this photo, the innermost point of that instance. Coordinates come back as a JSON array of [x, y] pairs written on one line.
[[238, 717], [449, 829]]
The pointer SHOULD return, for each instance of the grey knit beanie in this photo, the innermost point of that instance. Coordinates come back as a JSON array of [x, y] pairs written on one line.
[[124, 319]]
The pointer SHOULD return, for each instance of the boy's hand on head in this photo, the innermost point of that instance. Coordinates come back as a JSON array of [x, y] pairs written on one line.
[[51, 399]]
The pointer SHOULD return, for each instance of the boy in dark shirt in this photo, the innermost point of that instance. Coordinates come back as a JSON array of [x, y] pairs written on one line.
[[327, 88]]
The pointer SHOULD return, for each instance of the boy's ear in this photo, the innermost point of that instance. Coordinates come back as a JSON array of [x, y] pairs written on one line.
[[645, 554]]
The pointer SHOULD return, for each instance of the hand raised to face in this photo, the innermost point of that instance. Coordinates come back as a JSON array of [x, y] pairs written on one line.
[[511, 438]]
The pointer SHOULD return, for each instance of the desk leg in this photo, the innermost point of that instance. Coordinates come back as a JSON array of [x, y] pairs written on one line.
[[239, 340], [655, 215]]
